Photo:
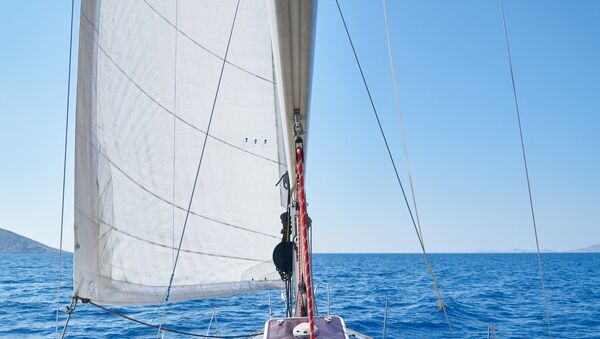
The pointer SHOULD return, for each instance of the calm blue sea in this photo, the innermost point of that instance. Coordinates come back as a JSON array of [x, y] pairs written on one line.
[[479, 289]]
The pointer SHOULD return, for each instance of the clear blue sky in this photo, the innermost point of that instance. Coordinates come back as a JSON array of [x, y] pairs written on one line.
[[458, 109]]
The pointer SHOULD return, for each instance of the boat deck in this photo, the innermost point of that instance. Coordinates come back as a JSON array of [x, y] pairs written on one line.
[[330, 327]]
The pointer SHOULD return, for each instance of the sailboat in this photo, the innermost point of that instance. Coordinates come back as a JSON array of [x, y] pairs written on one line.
[[191, 139], [190, 152]]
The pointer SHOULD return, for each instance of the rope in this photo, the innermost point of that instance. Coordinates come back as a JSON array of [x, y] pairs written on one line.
[[167, 295], [165, 329], [537, 243], [64, 177], [435, 287], [400, 119], [285, 182], [304, 232]]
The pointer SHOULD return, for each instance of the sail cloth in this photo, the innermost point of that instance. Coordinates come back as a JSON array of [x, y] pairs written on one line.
[[148, 73]]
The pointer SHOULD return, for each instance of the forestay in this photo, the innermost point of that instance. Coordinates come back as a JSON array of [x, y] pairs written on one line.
[[148, 73]]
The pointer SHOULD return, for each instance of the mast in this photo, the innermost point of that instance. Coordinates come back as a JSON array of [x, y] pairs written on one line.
[[292, 32]]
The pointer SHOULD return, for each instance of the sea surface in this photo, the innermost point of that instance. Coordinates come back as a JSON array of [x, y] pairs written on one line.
[[502, 290]]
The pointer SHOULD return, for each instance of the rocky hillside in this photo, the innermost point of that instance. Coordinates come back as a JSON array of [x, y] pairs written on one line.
[[11, 242]]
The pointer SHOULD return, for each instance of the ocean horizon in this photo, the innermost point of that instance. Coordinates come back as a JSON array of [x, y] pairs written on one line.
[[479, 289]]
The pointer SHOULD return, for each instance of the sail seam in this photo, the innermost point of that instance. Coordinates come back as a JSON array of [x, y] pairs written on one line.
[[139, 87], [169, 247], [205, 48], [177, 206], [193, 41], [174, 133]]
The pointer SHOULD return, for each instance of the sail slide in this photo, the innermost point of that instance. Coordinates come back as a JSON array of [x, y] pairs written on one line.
[[147, 79]]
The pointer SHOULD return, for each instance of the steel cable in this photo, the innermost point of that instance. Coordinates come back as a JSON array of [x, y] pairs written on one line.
[[64, 177], [435, 287], [537, 243]]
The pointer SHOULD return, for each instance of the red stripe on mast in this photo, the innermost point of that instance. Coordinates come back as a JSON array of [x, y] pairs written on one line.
[[304, 231]]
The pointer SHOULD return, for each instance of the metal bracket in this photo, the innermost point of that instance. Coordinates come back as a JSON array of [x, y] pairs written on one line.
[[316, 289], [70, 310], [298, 128]]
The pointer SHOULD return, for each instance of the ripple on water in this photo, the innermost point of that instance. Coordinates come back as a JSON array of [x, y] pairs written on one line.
[[478, 289]]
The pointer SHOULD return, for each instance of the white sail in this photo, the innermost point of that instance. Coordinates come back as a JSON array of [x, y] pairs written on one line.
[[148, 74]]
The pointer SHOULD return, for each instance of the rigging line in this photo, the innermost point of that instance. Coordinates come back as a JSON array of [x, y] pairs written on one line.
[[166, 301], [437, 292], [400, 118], [166, 329], [64, 177], [537, 243]]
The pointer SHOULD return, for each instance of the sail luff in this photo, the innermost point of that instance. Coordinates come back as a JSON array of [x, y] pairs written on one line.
[[292, 29]]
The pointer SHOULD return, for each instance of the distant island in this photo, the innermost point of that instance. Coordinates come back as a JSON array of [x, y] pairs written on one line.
[[593, 248], [11, 242], [590, 249]]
